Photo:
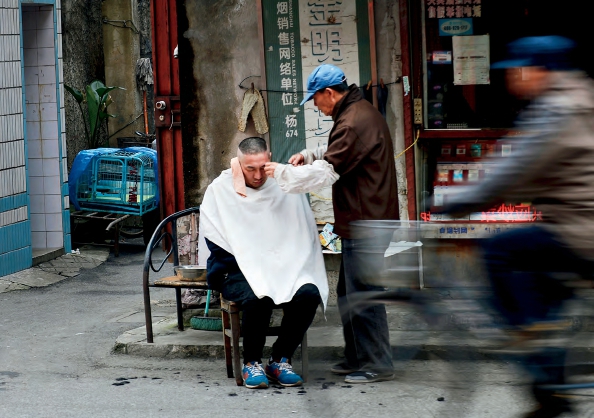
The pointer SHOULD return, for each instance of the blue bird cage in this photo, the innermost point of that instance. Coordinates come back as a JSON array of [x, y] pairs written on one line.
[[118, 181]]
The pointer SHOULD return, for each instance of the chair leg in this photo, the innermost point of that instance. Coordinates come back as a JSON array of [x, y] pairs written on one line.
[[148, 318], [227, 343], [235, 332], [304, 359], [180, 316]]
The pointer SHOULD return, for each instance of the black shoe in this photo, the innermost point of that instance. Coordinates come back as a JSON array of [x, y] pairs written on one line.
[[368, 377], [343, 368]]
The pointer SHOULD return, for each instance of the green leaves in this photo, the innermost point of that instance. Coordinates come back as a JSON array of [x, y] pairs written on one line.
[[78, 96], [97, 98]]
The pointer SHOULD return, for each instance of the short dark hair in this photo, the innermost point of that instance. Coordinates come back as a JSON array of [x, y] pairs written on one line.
[[252, 145], [340, 88]]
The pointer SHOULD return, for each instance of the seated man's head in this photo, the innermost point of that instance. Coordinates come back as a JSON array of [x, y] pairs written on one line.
[[253, 155]]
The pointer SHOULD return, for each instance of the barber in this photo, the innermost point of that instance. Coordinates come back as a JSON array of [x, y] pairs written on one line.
[[359, 163]]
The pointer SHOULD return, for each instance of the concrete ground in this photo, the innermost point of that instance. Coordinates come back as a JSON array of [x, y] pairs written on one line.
[[56, 270], [61, 345]]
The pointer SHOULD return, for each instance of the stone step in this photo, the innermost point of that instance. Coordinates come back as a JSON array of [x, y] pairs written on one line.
[[326, 343]]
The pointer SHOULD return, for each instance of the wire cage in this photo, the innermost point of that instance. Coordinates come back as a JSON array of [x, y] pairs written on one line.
[[123, 181]]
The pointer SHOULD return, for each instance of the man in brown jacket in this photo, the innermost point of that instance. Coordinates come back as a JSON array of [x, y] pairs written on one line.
[[361, 155]]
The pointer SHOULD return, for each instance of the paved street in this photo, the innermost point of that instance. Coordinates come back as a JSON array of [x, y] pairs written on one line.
[[57, 360]]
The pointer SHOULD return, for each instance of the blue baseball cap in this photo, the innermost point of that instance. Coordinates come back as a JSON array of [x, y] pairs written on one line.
[[551, 52], [322, 77]]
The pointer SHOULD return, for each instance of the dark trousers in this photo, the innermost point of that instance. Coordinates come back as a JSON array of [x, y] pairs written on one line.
[[365, 328], [521, 265], [298, 315]]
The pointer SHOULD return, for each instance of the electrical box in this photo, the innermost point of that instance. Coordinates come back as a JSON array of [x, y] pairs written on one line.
[[418, 111]]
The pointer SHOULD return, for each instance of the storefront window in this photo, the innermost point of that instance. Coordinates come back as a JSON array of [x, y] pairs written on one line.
[[461, 39]]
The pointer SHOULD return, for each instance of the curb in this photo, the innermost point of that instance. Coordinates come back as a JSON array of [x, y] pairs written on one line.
[[326, 344]]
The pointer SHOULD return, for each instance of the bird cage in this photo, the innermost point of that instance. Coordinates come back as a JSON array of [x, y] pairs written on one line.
[[122, 181]]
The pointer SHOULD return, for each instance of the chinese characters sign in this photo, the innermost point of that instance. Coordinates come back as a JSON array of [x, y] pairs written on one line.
[[284, 77], [299, 35], [441, 9]]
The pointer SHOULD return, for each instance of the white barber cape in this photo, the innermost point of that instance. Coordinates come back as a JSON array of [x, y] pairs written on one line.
[[273, 236]]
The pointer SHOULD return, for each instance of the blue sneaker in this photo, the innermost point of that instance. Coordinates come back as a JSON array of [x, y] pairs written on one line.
[[253, 376], [283, 373]]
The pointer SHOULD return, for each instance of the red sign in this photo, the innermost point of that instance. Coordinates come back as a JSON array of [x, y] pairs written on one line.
[[501, 213]]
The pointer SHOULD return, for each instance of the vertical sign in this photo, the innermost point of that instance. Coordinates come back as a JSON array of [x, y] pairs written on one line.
[[283, 78], [299, 35]]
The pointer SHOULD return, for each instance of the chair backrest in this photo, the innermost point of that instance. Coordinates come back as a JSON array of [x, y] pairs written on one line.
[[166, 230]]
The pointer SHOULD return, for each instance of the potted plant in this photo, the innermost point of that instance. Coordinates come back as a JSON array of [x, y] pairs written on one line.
[[97, 98]]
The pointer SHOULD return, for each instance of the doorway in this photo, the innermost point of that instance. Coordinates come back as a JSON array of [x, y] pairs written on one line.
[[42, 129]]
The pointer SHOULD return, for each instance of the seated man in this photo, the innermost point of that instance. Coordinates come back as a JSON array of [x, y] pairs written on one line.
[[265, 253]]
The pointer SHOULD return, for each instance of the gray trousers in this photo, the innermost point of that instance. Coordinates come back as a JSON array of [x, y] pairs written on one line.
[[365, 328]]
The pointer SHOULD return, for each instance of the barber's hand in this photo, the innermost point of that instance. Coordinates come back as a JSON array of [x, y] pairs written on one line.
[[269, 169], [297, 159]]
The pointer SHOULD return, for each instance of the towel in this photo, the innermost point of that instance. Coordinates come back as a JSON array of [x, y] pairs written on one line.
[[253, 104], [238, 180]]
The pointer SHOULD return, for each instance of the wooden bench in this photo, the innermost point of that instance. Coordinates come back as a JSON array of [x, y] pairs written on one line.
[[231, 334]]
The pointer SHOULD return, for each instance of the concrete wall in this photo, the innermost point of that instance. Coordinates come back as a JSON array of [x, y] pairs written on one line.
[[82, 34], [121, 47], [219, 47], [222, 37], [84, 61], [143, 23], [389, 64]]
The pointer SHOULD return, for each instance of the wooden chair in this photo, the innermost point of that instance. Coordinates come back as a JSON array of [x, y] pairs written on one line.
[[232, 333]]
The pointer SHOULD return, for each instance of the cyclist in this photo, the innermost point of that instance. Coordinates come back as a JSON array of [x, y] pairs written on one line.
[[551, 166]]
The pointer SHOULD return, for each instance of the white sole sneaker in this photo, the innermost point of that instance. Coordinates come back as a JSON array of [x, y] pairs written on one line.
[[368, 377]]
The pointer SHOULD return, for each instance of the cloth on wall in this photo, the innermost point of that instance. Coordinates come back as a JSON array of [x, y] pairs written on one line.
[[367, 92], [382, 98], [253, 104]]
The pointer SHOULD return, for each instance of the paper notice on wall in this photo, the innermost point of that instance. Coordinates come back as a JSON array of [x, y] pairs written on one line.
[[471, 60]]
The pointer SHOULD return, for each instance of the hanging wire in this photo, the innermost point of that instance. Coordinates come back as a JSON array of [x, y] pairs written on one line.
[[241, 82], [417, 134], [128, 24], [241, 86], [397, 81]]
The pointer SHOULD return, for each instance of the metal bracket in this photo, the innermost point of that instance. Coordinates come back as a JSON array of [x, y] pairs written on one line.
[[167, 114]]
